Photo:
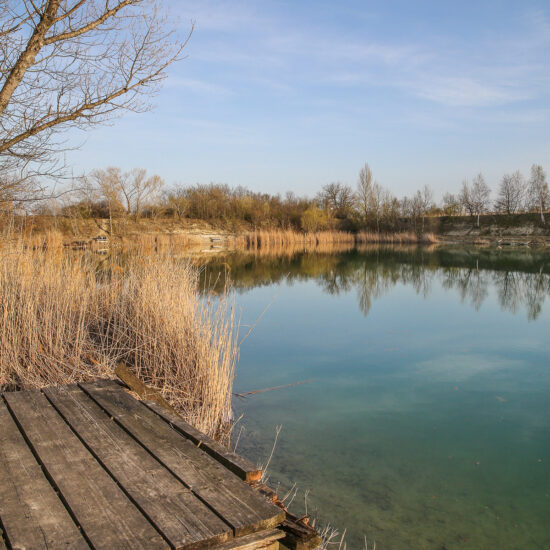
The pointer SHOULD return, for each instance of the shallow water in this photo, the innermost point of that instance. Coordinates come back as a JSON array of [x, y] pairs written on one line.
[[427, 424]]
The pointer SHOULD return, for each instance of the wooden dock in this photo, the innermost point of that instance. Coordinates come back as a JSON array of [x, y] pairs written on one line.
[[89, 466]]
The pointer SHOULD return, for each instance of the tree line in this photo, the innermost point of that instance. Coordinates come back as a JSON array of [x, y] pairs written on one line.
[[114, 194], [79, 63]]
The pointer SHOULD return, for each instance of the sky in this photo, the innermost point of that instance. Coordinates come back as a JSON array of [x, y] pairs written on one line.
[[291, 95]]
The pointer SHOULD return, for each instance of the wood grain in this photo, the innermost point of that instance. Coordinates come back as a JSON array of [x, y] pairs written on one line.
[[240, 466], [232, 499], [105, 514], [31, 512], [175, 511], [263, 539]]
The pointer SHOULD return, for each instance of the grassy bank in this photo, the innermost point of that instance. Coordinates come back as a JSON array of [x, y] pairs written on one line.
[[67, 318]]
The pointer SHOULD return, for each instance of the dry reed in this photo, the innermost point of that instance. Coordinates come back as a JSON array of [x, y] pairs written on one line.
[[365, 237], [280, 240], [67, 319]]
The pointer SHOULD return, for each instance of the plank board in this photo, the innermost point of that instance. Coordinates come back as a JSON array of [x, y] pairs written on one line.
[[253, 541], [175, 511], [232, 461], [2, 543], [31, 512], [106, 515], [232, 499]]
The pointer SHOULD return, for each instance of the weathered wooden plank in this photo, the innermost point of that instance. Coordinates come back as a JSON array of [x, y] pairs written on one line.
[[31, 512], [152, 398], [175, 511], [2, 543], [299, 535], [107, 517], [263, 539], [232, 499], [237, 464], [137, 386]]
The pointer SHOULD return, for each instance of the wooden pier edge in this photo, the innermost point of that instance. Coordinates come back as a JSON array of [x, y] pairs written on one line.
[[298, 535], [152, 399]]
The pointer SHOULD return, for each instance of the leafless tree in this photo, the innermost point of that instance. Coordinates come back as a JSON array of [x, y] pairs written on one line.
[[511, 193], [131, 188], [466, 199], [336, 198], [425, 199], [72, 63], [481, 194], [177, 200], [539, 194], [364, 191], [475, 198], [451, 205]]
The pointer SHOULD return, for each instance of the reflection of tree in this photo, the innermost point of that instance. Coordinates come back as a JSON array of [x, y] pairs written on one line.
[[509, 289], [517, 281], [537, 287], [472, 284], [371, 284]]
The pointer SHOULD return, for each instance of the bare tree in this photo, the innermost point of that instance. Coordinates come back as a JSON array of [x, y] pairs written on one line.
[[72, 63], [139, 189], [364, 191], [425, 200], [132, 189], [481, 194], [511, 193], [452, 204], [336, 198], [466, 199], [108, 185], [539, 194], [177, 200], [475, 197]]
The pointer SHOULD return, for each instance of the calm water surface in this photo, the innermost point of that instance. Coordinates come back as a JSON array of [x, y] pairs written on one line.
[[427, 424]]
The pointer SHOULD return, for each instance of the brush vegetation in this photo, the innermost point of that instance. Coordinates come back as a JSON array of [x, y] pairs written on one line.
[[68, 318]]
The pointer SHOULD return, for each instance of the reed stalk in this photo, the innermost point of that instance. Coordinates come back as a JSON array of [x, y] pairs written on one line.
[[67, 318]]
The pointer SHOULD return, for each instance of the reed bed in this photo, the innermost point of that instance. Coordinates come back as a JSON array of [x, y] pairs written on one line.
[[366, 237], [281, 240], [256, 240], [67, 318]]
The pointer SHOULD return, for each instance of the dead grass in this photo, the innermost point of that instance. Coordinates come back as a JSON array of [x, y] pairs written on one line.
[[66, 318], [257, 240], [293, 240], [366, 237]]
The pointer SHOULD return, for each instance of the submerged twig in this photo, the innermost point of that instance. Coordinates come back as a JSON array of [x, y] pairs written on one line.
[[244, 395]]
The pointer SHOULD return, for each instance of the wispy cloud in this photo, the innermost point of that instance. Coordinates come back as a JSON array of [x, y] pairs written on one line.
[[456, 91], [489, 75], [197, 86]]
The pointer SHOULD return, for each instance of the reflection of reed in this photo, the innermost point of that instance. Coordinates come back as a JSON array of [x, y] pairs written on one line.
[[294, 249]]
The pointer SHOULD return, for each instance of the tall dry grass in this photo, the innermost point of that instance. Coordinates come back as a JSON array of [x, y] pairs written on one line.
[[67, 319], [279, 240], [256, 240], [408, 237]]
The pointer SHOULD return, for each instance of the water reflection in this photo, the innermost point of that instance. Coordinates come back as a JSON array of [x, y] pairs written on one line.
[[520, 278]]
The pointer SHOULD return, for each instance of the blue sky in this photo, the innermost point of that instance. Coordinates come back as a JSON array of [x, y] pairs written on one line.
[[282, 95]]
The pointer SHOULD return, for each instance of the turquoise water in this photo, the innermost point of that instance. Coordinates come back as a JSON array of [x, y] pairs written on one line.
[[427, 423]]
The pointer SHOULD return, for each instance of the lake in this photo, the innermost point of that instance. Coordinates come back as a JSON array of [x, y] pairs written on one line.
[[427, 420]]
